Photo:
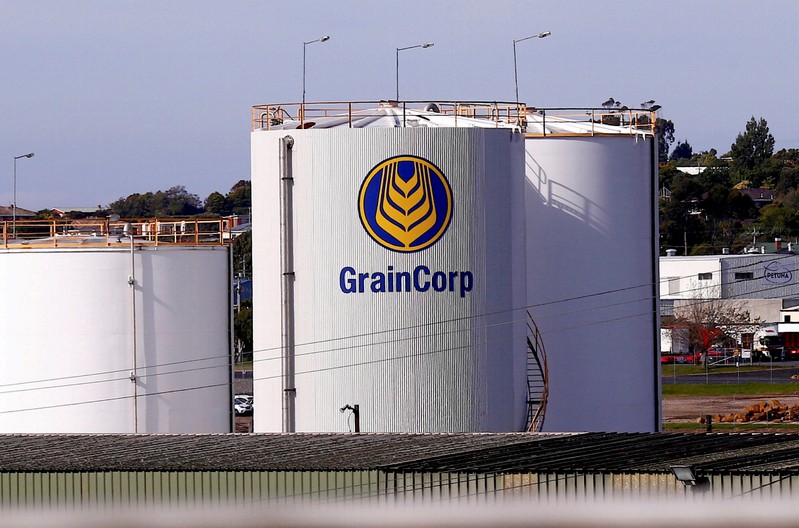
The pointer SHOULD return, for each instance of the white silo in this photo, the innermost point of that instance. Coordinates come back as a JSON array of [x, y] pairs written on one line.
[[397, 276], [104, 336], [564, 227], [592, 239]]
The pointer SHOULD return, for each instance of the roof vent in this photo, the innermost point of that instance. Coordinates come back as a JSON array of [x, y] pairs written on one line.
[[431, 107], [671, 252], [725, 251]]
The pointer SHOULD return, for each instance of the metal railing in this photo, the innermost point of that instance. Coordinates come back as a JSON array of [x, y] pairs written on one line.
[[306, 115], [578, 121], [103, 232]]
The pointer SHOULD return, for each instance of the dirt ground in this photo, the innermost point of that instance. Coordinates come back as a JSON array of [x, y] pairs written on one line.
[[689, 408]]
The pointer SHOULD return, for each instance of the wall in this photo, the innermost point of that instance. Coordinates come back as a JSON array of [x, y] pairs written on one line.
[[68, 340], [412, 361], [591, 207]]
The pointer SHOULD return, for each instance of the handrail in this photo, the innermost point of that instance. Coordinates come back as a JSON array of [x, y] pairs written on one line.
[[103, 232], [303, 114], [586, 121]]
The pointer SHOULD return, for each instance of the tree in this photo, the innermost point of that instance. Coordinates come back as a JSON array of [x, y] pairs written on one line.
[[665, 134], [753, 147], [242, 254], [239, 198], [683, 150], [706, 320], [216, 204], [242, 322], [242, 329], [175, 201], [781, 219]]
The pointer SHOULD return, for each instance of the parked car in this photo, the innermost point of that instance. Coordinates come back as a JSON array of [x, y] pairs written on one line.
[[243, 404]]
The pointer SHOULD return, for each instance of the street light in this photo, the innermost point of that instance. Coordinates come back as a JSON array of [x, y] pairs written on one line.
[[324, 38], [515, 69], [425, 45], [14, 205]]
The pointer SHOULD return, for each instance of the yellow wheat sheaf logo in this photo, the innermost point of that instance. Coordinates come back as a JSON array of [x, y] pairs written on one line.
[[405, 203]]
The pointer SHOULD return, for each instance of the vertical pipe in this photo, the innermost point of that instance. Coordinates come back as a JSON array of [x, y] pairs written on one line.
[[655, 230], [231, 338], [134, 374], [287, 285]]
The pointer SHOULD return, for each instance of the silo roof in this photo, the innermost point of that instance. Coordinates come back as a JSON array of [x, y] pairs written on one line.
[[389, 114], [587, 123], [535, 122]]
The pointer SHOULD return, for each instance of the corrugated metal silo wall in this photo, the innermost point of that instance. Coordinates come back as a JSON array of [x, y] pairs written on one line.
[[72, 333], [412, 361], [592, 283]]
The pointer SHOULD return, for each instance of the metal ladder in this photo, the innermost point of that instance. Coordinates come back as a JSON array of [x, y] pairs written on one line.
[[537, 378]]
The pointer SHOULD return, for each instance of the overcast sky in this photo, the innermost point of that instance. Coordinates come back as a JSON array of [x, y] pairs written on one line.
[[118, 97]]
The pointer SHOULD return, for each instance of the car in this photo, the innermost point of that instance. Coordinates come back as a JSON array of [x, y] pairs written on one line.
[[243, 405]]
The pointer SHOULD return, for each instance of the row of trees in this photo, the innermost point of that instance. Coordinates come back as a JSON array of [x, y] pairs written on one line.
[[177, 201], [703, 213]]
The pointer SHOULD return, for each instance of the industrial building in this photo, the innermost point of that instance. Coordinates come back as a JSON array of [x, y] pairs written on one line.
[[84, 472], [760, 282], [114, 326], [407, 255], [764, 284]]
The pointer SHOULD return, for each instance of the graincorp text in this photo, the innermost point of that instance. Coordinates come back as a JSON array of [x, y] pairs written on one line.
[[421, 279]]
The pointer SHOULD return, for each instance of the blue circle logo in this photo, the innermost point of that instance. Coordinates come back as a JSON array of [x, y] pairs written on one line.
[[777, 273], [405, 203]]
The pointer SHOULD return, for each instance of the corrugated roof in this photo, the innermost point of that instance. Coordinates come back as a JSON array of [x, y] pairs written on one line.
[[451, 452]]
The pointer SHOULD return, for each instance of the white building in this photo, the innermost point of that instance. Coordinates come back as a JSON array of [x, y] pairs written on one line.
[[764, 284]]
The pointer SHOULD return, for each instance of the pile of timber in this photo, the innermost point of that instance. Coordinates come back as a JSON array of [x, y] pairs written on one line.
[[772, 411]]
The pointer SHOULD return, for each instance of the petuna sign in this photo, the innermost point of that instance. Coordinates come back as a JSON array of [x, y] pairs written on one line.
[[777, 273]]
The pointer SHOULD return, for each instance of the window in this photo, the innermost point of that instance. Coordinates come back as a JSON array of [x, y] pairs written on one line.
[[744, 275], [705, 276], [674, 285]]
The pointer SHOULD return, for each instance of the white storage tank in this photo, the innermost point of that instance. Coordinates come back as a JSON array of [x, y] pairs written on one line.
[[398, 273], [592, 239], [117, 338]]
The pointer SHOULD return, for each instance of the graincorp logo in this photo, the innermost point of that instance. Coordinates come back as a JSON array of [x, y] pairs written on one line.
[[405, 204]]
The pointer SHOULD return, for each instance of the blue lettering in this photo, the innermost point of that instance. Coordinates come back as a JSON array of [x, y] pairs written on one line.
[[416, 273], [346, 284], [467, 282], [403, 277], [378, 282], [421, 279], [439, 281]]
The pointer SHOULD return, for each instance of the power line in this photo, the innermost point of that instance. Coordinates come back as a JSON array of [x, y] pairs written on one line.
[[395, 341]]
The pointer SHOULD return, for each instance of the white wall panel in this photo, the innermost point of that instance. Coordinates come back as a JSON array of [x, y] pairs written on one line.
[[67, 340], [592, 281], [412, 361]]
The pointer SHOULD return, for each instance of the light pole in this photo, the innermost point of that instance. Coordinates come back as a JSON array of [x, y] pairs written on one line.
[[425, 45], [515, 69], [324, 38], [14, 205]]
